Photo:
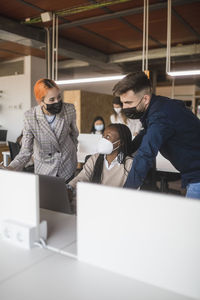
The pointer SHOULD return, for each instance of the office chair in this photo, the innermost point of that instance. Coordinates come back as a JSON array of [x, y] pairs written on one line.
[[14, 149], [3, 135], [165, 178]]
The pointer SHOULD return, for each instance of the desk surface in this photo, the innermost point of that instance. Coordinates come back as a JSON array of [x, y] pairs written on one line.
[[42, 274]]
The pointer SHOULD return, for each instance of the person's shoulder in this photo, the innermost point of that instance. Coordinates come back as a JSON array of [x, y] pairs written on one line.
[[92, 159], [167, 105], [128, 161], [68, 108], [112, 118], [31, 112], [68, 105], [164, 101], [158, 107]]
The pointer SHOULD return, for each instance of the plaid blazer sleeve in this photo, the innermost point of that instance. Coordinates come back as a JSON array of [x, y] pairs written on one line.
[[74, 130], [26, 150]]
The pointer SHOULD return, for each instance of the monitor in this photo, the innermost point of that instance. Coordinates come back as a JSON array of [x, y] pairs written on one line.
[[3, 135]]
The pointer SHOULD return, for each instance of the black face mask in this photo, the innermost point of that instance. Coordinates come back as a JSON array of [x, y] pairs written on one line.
[[132, 113], [54, 108]]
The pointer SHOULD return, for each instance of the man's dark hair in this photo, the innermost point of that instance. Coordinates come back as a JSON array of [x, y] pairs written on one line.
[[116, 100], [125, 147], [136, 82]]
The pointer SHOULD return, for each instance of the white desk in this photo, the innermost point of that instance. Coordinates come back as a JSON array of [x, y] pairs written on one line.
[[61, 232], [42, 274], [61, 228]]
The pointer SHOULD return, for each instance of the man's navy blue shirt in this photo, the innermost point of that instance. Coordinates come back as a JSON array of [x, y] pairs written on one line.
[[174, 130]]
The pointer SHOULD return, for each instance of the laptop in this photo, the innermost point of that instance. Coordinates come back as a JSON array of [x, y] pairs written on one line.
[[3, 135], [53, 194]]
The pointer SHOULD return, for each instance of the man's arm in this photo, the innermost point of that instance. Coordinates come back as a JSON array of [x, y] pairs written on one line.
[[158, 131], [136, 142]]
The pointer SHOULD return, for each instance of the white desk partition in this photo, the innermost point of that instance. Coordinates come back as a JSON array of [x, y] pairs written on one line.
[[87, 144], [19, 205], [150, 237], [163, 164]]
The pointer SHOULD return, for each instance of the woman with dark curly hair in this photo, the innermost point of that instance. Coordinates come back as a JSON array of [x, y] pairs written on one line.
[[111, 165]]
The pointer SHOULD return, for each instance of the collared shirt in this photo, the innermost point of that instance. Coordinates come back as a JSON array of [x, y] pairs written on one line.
[[51, 120], [113, 163]]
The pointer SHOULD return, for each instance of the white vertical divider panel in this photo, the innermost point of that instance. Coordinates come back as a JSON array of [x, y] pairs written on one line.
[[19, 197], [150, 237]]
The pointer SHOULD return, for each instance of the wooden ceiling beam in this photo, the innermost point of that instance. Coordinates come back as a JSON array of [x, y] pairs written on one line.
[[186, 24], [34, 37], [123, 13], [31, 5], [186, 50]]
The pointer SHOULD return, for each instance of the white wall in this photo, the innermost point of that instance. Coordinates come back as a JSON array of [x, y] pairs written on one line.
[[38, 70], [15, 100], [17, 96]]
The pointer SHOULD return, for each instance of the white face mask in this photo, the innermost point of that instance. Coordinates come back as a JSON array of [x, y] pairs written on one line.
[[99, 127], [104, 146], [117, 110]]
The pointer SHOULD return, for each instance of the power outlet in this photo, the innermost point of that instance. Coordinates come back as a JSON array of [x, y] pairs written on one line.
[[18, 234]]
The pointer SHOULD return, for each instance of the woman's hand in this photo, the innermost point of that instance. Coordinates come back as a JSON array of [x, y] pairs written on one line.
[[2, 167]]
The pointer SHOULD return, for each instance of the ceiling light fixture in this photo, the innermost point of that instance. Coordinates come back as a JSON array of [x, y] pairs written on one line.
[[183, 73], [92, 79]]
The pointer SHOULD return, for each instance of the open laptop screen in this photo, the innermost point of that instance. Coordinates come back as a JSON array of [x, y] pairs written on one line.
[[53, 194]]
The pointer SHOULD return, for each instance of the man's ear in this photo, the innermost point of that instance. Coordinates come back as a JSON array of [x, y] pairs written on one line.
[[147, 99]]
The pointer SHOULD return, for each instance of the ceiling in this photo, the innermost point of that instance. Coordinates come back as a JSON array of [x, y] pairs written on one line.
[[95, 38]]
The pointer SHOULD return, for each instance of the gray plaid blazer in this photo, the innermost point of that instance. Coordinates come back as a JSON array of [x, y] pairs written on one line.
[[54, 152]]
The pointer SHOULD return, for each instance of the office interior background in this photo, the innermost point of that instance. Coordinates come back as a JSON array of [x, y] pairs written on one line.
[[67, 40], [71, 41]]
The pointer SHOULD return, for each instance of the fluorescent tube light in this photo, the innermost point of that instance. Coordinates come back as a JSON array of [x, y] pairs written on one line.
[[184, 73], [92, 79]]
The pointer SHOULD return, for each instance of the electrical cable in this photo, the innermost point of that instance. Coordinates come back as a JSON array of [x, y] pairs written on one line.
[[42, 244], [145, 43], [168, 54], [77, 9]]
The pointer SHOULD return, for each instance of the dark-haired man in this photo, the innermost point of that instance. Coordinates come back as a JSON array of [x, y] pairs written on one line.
[[169, 127]]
